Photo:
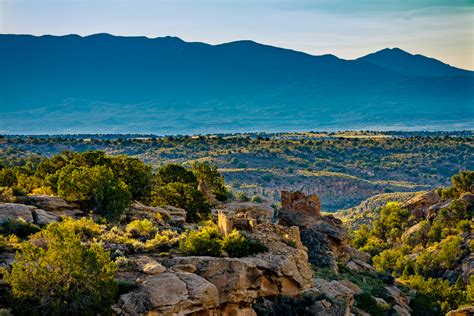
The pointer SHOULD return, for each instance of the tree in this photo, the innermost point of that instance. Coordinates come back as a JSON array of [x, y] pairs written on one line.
[[183, 196], [135, 174], [175, 173], [97, 188], [64, 277], [205, 172]]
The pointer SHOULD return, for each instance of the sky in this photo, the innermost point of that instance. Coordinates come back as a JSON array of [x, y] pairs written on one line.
[[442, 29]]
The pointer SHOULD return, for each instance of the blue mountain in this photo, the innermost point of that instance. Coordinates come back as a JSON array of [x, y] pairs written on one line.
[[106, 83]]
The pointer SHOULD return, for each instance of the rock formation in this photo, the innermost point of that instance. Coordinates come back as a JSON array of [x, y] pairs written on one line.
[[217, 285], [28, 213]]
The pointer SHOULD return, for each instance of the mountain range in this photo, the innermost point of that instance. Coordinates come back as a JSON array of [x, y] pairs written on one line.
[[112, 84]]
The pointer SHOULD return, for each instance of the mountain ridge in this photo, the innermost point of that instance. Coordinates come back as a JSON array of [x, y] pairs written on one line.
[[163, 85]]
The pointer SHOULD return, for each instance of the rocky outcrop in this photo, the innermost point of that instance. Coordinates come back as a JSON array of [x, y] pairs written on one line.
[[324, 236], [158, 215], [299, 209], [218, 285], [28, 213], [419, 204], [337, 291], [402, 301], [262, 213], [53, 204], [242, 216], [177, 293]]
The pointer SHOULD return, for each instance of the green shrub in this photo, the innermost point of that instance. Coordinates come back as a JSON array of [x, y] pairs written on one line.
[[163, 241], [64, 277], [97, 188], [136, 175], [172, 173], [183, 196], [241, 196], [85, 227], [439, 291], [236, 244], [367, 303], [205, 241], [141, 228], [18, 227]]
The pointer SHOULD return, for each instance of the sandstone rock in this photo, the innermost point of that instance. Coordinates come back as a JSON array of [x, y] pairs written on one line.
[[463, 311], [327, 242], [336, 291], [402, 301], [356, 254], [413, 235], [420, 203], [30, 214], [299, 209], [187, 267], [177, 214], [300, 202], [54, 204], [169, 294], [360, 266], [153, 268], [138, 210], [262, 213], [467, 267], [43, 218], [286, 263], [12, 211], [236, 280]]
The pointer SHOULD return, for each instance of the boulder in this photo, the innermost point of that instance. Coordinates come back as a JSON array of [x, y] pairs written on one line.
[[236, 280], [13, 211], [414, 235], [30, 214], [285, 266], [336, 292], [178, 293], [54, 204], [419, 204], [327, 242], [360, 266], [42, 217], [402, 302]]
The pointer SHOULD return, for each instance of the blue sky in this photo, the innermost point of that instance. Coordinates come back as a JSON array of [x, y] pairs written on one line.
[[347, 28]]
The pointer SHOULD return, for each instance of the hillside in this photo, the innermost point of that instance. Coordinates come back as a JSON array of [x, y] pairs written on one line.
[[131, 240], [105, 83], [426, 244], [358, 165]]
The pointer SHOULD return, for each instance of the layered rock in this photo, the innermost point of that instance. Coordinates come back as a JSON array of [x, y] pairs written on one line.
[[262, 213], [419, 204], [324, 236], [204, 285], [299, 209], [138, 210], [53, 204], [28, 213]]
